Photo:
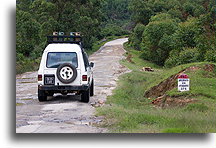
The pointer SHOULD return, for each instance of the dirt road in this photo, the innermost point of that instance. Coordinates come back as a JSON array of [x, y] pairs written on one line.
[[66, 114]]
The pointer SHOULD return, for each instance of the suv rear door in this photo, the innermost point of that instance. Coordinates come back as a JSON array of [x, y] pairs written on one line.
[[54, 59]]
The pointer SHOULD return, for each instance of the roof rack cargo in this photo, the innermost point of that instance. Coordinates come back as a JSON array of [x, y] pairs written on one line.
[[59, 37]]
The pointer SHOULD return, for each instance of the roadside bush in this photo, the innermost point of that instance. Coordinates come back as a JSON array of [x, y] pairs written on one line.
[[157, 39], [37, 51], [210, 56], [136, 36], [186, 33], [173, 59], [189, 55], [27, 65]]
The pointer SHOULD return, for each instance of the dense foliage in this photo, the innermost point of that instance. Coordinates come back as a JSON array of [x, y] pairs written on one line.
[[116, 19], [168, 32], [174, 32], [35, 19]]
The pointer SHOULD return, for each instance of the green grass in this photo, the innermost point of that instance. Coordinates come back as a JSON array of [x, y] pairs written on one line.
[[197, 107], [19, 104], [128, 111], [177, 130]]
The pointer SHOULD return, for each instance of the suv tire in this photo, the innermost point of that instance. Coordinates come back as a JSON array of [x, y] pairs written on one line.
[[85, 95], [92, 88], [66, 70], [42, 96]]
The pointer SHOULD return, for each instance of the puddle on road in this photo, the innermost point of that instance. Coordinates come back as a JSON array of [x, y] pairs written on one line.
[[24, 78], [73, 110], [27, 99], [29, 82], [106, 86], [48, 110], [19, 104]]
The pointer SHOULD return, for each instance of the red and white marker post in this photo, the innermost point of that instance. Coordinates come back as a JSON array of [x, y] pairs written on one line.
[[183, 82]]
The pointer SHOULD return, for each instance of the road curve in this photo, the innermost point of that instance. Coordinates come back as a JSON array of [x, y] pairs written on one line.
[[66, 114]]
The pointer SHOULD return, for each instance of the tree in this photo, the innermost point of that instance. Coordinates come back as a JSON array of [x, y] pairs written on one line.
[[141, 12], [136, 37], [24, 5], [28, 32], [157, 39], [42, 10]]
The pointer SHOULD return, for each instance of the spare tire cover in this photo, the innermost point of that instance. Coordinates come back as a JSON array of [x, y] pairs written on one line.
[[66, 73]]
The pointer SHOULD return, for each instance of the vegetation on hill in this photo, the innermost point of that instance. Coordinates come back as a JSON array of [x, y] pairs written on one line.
[[174, 32]]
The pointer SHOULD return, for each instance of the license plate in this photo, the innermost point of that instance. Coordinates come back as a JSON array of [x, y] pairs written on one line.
[[49, 80]]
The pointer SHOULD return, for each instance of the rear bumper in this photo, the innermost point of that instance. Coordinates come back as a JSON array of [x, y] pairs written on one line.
[[63, 88]]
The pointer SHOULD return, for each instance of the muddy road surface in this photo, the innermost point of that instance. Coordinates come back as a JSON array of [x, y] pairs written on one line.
[[66, 114]]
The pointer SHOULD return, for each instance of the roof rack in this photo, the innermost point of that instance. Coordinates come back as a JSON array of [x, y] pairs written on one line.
[[59, 37]]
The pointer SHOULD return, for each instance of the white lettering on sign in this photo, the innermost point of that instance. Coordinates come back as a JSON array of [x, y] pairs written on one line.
[[183, 84]]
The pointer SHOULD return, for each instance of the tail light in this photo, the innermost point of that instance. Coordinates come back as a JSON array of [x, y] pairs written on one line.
[[39, 77], [84, 78]]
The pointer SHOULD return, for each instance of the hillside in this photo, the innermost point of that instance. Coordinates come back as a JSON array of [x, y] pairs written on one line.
[[132, 108]]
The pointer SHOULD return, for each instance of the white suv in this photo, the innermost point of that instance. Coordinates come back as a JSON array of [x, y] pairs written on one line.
[[65, 68]]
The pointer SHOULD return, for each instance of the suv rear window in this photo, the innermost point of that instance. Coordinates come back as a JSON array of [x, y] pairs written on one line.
[[54, 59]]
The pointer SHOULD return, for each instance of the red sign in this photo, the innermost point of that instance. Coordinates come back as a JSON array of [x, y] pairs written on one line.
[[183, 76]]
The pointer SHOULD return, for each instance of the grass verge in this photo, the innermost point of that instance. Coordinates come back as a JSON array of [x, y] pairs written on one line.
[[27, 65], [128, 111]]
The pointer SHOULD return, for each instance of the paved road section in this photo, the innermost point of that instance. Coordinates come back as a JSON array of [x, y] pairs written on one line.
[[66, 114]]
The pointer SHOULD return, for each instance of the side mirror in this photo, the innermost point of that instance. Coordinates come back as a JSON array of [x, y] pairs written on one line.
[[91, 64]]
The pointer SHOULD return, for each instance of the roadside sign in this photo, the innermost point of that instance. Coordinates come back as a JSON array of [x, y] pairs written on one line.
[[183, 82]]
